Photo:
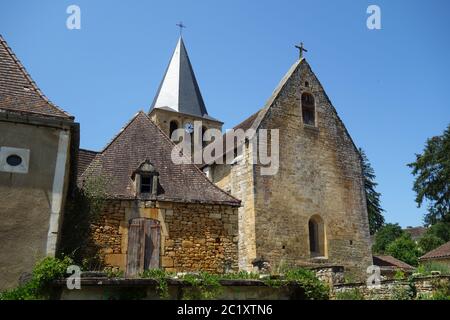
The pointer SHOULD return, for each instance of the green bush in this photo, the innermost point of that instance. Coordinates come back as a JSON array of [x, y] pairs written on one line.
[[352, 294], [39, 286], [160, 276], [313, 288], [404, 249], [399, 275], [204, 286], [400, 292]]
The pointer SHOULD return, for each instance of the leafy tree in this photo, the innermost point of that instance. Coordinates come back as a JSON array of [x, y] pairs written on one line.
[[374, 210], [429, 242], [435, 236], [432, 183], [405, 249], [441, 230], [387, 234]]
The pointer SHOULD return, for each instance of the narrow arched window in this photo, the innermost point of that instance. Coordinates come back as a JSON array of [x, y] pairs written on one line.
[[172, 127], [204, 143], [308, 109], [317, 238]]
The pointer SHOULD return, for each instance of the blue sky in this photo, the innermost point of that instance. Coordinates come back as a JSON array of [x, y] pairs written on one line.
[[389, 86]]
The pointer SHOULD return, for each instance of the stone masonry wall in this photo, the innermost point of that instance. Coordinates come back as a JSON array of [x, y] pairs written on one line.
[[194, 237], [423, 286]]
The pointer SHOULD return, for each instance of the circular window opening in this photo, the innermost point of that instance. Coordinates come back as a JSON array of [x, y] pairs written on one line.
[[14, 160]]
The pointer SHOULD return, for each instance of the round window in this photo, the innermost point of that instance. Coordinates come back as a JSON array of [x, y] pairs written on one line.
[[14, 160]]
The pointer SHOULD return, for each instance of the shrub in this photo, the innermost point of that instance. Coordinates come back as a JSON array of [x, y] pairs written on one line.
[[39, 286], [160, 276], [404, 249], [352, 294], [399, 275], [401, 292], [203, 286]]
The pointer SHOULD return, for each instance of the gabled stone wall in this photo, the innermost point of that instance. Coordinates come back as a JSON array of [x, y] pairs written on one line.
[[320, 174]]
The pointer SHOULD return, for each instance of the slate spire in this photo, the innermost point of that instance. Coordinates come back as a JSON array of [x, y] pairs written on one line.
[[179, 90]]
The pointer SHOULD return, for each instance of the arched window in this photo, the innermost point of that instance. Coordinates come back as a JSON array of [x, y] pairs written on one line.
[[173, 126], [317, 237], [308, 109]]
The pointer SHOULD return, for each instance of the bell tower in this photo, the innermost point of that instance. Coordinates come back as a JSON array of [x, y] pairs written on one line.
[[178, 101]]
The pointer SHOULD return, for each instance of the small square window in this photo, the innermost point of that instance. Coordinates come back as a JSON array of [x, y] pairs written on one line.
[[146, 184]]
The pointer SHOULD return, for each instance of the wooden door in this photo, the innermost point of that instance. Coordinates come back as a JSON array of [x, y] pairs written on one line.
[[144, 239]]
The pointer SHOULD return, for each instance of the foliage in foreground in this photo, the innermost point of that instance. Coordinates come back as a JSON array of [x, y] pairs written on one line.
[[38, 287], [204, 285]]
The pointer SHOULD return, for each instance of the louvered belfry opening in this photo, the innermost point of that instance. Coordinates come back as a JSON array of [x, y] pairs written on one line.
[[144, 241]]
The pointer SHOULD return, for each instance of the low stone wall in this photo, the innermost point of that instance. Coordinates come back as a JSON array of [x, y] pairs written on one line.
[[391, 289], [147, 289]]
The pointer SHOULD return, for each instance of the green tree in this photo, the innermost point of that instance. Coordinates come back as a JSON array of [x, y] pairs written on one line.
[[435, 236], [405, 249], [441, 230], [432, 182], [387, 234], [429, 242], [374, 210]]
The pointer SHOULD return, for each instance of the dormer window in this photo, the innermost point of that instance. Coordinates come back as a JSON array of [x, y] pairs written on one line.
[[146, 179], [146, 184]]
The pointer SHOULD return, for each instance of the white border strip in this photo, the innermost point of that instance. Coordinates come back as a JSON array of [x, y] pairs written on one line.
[[57, 192]]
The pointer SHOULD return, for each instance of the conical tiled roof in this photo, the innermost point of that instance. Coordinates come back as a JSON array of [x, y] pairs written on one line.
[[179, 89]]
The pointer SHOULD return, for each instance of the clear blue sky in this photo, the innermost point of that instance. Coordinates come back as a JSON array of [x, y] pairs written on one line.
[[390, 86]]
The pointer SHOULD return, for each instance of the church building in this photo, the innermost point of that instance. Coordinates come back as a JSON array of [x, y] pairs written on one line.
[[212, 216]]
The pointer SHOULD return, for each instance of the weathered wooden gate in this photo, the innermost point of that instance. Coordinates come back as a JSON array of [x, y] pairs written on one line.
[[144, 239]]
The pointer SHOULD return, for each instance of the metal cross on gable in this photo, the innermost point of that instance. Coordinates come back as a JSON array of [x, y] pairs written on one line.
[[302, 49], [181, 26]]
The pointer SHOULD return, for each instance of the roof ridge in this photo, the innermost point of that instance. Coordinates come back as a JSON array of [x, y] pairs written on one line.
[[114, 138], [87, 150], [28, 77]]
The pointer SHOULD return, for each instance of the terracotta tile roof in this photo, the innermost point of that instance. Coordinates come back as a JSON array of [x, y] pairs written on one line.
[[440, 252], [85, 158], [142, 140], [390, 261], [18, 92], [416, 232]]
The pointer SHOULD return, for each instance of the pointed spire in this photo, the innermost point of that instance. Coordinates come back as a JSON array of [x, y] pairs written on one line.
[[179, 90]]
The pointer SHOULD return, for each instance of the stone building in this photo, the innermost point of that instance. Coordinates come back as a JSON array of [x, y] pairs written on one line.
[[157, 213], [313, 210], [38, 145]]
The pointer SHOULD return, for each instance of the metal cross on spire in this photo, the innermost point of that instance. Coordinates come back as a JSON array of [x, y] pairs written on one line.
[[301, 49], [181, 26]]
